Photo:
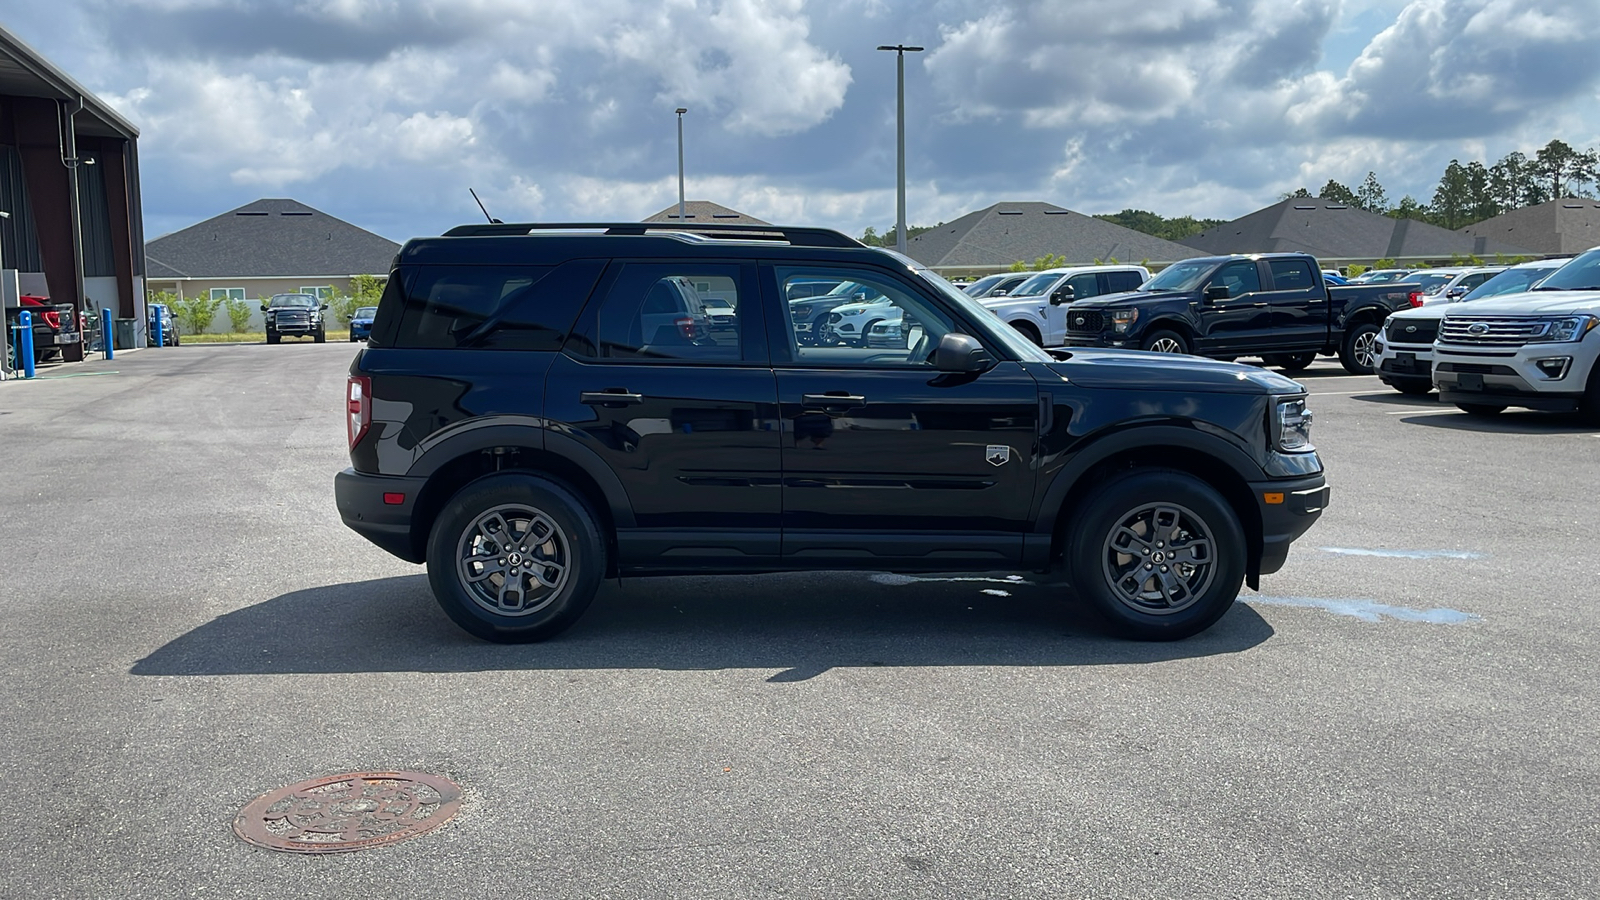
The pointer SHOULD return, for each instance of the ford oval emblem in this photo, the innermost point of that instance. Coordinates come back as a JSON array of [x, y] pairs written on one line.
[[1477, 328], [1411, 329], [1078, 321]]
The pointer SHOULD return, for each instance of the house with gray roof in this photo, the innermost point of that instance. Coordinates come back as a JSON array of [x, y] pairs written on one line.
[[702, 212], [991, 239], [1339, 234], [264, 248], [1562, 227]]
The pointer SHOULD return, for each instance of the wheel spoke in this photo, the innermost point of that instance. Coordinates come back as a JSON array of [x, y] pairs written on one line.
[[548, 573], [1195, 552], [529, 554], [1126, 536]]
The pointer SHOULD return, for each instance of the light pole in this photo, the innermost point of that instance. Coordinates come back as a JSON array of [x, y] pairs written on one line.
[[681, 110], [900, 51]]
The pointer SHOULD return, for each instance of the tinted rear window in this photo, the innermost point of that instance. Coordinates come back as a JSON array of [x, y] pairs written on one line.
[[493, 307]]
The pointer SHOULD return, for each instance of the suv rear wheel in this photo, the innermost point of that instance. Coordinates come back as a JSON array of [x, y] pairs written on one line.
[[1158, 553], [515, 557]]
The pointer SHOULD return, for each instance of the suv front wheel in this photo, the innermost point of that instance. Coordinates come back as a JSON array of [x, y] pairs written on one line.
[[1158, 553], [515, 557]]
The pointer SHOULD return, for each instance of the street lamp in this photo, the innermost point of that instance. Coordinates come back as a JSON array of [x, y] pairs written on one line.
[[681, 110], [900, 51]]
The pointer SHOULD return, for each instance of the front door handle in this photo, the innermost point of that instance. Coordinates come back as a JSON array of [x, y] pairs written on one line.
[[610, 397], [839, 400]]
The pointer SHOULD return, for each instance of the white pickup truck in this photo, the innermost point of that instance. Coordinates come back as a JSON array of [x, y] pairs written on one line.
[[1536, 350], [1037, 307]]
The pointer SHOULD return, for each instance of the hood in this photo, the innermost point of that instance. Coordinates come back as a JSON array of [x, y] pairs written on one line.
[[1105, 300], [1141, 370], [1428, 311], [1533, 303]]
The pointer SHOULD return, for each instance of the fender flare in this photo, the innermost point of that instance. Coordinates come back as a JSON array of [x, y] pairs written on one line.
[[1136, 437], [538, 435]]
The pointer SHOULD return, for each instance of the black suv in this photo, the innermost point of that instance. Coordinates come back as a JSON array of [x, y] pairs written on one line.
[[526, 422]]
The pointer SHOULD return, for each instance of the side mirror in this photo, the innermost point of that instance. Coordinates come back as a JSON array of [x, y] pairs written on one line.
[[324, 306], [1064, 294], [961, 353], [999, 293], [1456, 293], [263, 307], [1217, 292]]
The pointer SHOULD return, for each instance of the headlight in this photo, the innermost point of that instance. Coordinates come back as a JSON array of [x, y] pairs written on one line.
[[1123, 319], [1291, 425], [1572, 328]]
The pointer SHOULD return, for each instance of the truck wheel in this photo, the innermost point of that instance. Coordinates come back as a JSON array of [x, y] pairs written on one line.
[[322, 336], [1359, 352], [1166, 342], [515, 557], [1158, 553], [1291, 362], [1481, 410], [1029, 332], [272, 337]]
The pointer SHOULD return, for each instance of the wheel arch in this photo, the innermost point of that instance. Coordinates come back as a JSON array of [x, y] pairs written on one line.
[[454, 463], [1214, 461], [1169, 323]]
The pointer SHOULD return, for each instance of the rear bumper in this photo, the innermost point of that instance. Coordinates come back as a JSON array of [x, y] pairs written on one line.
[[362, 506], [1299, 503]]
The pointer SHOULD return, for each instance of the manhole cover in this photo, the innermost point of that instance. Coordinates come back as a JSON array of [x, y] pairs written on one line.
[[353, 811]]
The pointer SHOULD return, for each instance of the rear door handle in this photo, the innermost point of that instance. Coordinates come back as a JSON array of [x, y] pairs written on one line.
[[839, 400], [610, 397]]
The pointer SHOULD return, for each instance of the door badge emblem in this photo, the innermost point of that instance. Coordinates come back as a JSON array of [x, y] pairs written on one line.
[[997, 454]]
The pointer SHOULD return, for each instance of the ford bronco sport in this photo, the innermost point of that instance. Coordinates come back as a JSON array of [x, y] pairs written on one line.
[[527, 424]]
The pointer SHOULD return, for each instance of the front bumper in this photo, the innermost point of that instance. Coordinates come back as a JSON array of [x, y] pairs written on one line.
[[1288, 509], [1404, 363], [364, 509], [1542, 376]]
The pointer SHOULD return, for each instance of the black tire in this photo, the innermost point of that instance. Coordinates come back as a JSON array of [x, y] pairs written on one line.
[[1094, 562], [572, 535], [1589, 406], [866, 333], [1161, 341], [272, 337], [1357, 354], [1481, 410], [1028, 331], [1414, 388], [1291, 362], [322, 336]]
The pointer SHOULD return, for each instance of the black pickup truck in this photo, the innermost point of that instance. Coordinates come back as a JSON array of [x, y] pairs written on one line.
[[1272, 305]]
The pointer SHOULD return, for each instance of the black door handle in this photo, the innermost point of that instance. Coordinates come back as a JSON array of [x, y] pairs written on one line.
[[610, 397], [838, 400]]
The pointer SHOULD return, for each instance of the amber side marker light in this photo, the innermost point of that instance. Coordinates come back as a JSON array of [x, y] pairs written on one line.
[[1275, 498]]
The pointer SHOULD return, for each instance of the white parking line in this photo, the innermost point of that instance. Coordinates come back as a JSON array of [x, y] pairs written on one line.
[[1346, 393]]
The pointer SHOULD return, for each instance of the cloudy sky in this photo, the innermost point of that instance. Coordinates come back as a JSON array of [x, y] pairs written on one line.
[[384, 112]]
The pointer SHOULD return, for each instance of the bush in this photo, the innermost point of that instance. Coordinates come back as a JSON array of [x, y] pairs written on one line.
[[364, 291], [238, 315], [195, 313]]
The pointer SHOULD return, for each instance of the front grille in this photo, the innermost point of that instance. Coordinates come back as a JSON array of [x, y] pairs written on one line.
[[1412, 331], [1492, 331], [1085, 321]]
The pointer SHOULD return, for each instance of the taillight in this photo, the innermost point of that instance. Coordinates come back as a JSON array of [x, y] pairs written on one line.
[[685, 326], [1416, 298], [53, 319], [358, 408]]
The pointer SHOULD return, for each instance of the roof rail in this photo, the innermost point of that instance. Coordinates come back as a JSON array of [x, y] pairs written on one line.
[[798, 237]]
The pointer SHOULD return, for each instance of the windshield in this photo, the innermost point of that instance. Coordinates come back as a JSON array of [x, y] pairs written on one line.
[[981, 283], [1036, 284], [366, 312], [1020, 346], [1582, 274], [1431, 281], [1384, 276], [1184, 276], [1511, 281], [280, 301]]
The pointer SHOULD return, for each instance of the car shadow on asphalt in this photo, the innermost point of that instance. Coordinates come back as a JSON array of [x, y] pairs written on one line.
[[1504, 423], [800, 624], [1422, 402]]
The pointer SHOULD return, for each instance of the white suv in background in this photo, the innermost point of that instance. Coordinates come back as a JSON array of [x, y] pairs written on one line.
[[1037, 307], [1535, 350], [1405, 346]]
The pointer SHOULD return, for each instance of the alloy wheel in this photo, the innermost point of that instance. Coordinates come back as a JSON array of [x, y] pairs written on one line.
[[1159, 559], [513, 560]]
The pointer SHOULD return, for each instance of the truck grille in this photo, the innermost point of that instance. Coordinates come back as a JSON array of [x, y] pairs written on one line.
[[1497, 331], [1412, 331], [1085, 321]]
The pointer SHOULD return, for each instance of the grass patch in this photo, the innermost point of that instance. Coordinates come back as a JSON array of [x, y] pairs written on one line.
[[250, 337]]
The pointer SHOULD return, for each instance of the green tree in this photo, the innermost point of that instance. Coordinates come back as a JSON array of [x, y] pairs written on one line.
[[1146, 222], [1338, 193], [1410, 208], [238, 315], [1480, 199], [1384, 264], [195, 313], [1513, 183], [1295, 194], [1371, 197], [870, 237], [1452, 197], [1564, 170]]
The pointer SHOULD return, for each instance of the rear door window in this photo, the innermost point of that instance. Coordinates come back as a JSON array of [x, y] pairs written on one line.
[[1291, 275], [686, 312], [1117, 282]]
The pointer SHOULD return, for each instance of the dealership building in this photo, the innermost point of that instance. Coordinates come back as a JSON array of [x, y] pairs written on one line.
[[69, 186]]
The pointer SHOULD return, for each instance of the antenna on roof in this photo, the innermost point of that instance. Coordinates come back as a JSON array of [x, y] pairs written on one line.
[[492, 219]]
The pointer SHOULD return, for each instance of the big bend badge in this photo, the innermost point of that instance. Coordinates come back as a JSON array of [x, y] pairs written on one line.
[[997, 454]]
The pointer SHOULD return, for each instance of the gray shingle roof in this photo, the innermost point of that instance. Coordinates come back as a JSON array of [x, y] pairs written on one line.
[[999, 235], [1568, 225], [701, 212], [1334, 231], [266, 239]]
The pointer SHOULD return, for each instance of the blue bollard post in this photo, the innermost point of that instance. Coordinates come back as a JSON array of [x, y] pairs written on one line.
[[105, 333], [25, 345], [158, 336]]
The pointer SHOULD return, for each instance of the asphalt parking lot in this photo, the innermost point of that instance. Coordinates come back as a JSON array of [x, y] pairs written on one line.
[[1406, 710]]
